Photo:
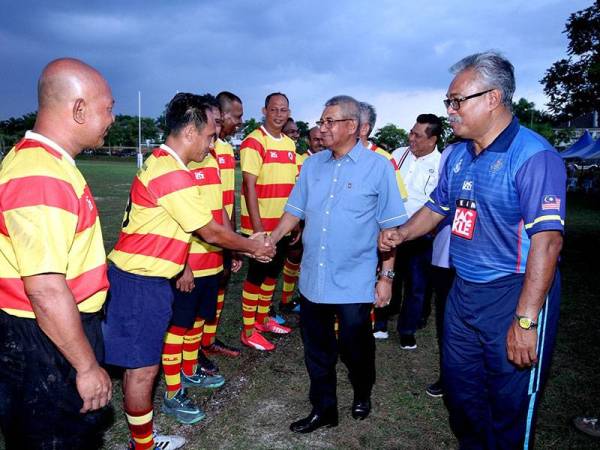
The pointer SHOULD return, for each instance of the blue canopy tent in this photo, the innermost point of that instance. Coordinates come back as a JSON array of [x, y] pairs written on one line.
[[585, 152], [584, 141]]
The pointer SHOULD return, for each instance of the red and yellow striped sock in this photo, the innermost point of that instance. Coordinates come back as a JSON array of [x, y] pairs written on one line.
[[290, 278], [140, 427], [250, 294], [171, 359], [191, 346], [210, 328], [264, 299]]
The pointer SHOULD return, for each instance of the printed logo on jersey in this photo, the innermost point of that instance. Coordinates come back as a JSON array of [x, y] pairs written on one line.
[[465, 216], [551, 202], [199, 175], [496, 166], [221, 160], [467, 185], [290, 156], [457, 166], [274, 155]]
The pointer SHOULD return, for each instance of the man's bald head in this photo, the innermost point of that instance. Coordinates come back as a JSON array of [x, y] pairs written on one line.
[[66, 79], [74, 104]]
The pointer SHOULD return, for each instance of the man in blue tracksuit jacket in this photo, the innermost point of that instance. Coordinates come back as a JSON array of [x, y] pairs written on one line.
[[504, 187]]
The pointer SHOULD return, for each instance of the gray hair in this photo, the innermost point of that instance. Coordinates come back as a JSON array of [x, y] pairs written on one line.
[[368, 115], [495, 71], [349, 106]]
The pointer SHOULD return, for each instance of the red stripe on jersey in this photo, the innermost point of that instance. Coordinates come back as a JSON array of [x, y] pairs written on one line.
[[273, 190], [88, 212], [38, 190], [394, 164], [13, 294], [160, 153], [32, 143], [228, 197], [218, 216], [252, 143], [3, 229], [206, 176], [203, 261], [153, 245], [170, 182], [140, 195], [268, 224], [88, 283], [280, 157], [226, 161]]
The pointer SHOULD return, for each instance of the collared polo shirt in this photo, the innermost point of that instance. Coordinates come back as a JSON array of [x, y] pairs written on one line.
[[345, 203], [514, 188], [420, 176]]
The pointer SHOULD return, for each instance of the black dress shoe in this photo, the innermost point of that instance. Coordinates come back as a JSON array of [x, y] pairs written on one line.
[[361, 409], [314, 421]]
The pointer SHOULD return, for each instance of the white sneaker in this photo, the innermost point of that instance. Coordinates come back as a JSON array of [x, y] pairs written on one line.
[[166, 442], [381, 335], [163, 442]]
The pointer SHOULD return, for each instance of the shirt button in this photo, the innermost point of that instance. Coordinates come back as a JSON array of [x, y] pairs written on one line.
[[339, 164], [331, 196], [326, 212], [321, 264], [335, 180], [322, 247], [324, 229]]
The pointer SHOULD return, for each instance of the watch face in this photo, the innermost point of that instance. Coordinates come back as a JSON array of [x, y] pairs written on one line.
[[525, 323]]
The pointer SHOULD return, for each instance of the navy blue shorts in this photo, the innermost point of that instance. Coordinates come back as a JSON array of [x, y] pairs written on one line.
[[138, 313], [201, 302]]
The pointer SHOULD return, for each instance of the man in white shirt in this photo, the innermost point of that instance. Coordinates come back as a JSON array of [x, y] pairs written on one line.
[[418, 164]]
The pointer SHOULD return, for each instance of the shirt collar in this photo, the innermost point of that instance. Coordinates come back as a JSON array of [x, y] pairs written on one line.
[[503, 140], [171, 152], [353, 154], [50, 143]]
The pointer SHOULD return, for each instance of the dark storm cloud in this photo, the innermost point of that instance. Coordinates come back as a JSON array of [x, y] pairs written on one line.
[[385, 51]]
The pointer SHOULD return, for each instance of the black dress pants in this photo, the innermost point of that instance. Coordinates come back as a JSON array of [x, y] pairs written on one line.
[[354, 344]]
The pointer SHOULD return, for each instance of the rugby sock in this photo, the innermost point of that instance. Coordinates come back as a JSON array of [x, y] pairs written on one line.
[[210, 328], [264, 299], [191, 346], [250, 294], [372, 318], [171, 359], [290, 278], [140, 427]]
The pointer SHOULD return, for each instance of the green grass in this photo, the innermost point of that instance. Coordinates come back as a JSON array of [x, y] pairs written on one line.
[[265, 392]]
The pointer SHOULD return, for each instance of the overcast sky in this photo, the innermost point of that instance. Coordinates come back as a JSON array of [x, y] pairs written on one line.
[[394, 54]]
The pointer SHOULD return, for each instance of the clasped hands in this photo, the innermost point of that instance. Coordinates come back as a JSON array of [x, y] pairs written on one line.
[[265, 252], [390, 239]]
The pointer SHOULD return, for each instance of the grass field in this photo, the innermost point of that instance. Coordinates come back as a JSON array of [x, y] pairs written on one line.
[[265, 392]]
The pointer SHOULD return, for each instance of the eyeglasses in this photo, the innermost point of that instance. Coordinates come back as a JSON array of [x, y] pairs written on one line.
[[454, 103], [329, 123]]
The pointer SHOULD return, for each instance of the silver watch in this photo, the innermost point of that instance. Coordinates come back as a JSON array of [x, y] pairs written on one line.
[[388, 274]]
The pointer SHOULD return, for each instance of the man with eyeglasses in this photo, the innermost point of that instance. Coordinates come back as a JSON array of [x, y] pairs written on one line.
[[504, 186], [418, 165], [346, 194]]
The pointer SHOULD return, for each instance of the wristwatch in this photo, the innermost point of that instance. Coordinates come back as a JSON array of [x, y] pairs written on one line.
[[525, 322], [388, 274]]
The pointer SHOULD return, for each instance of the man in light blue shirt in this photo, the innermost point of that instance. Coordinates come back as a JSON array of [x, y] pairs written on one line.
[[345, 194]]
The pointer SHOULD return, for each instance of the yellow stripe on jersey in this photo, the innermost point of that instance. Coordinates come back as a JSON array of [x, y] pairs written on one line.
[[226, 161]]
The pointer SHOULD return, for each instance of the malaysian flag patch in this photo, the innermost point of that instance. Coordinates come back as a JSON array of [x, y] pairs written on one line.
[[551, 202]]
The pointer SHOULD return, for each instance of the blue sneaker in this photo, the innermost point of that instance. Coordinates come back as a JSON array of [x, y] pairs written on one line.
[[182, 408], [202, 379], [280, 320]]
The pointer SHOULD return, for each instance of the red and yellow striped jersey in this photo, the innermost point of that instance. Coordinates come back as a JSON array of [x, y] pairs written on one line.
[[273, 162], [226, 161], [389, 157], [205, 259], [165, 207], [300, 158], [48, 224]]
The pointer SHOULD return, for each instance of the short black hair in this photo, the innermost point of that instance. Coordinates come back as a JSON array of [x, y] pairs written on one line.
[[273, 94], [226, 98], [434, 125], [186, 108]]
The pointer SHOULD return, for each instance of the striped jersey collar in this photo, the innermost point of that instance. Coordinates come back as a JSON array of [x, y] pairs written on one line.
[[50, 143], [171, 152], [262, 127]]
